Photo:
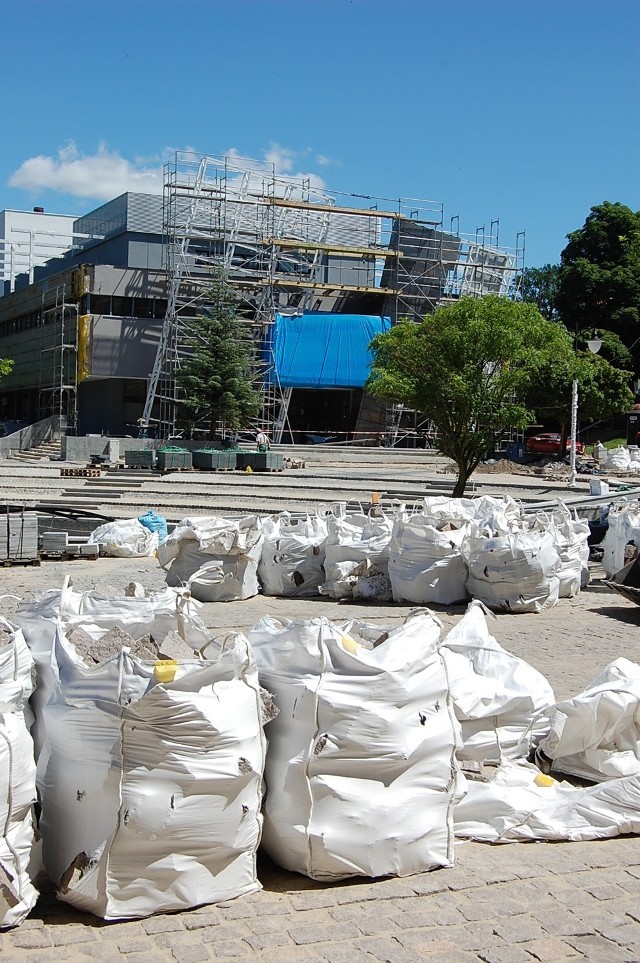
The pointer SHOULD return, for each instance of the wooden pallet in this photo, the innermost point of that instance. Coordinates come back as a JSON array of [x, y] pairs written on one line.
[[169, 471], [81, 472], [9, 562]]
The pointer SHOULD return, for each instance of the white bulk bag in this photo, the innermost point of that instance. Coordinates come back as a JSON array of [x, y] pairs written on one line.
[[151, 781], [515, 572], [16, 664], [292, 560], [124, 539], [156, 614], [425, 563], [19, 853], [570, 535], [617, 459], [361, 769], [352, 539], [495, 694], [520, 804], [595, 735], [216, 558], [624, 527]]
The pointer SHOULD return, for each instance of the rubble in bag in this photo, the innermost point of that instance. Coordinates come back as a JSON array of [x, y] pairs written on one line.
[[293, 551], [151, 781], [351, 540], [516, 572], [595, 735], [268, 708], [95, 651], [154, 615], [368, 583], [497, 697], [215, 558], [425, 561], [19, 849], [521, 804], [361, 770], [126, 538]]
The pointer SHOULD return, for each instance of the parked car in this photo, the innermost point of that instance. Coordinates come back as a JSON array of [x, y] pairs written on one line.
[[548, 443]]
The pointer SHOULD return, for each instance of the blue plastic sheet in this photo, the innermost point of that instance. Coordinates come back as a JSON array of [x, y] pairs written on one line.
[[321, 350]]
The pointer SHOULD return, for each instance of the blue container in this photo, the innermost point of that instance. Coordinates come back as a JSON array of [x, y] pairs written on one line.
[[517, 451]]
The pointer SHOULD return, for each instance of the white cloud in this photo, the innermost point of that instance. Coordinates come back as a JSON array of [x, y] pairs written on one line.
[[102, 175], [106, 174]]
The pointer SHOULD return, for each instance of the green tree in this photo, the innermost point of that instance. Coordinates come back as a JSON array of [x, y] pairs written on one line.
[[600, 274], [216, 377], [468, 367], [539, 286], [603, 390]]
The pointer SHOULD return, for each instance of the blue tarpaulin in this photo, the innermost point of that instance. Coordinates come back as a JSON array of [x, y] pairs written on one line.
[[321, 350]]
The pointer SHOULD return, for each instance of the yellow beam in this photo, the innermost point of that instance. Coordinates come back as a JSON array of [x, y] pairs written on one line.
[[333, 248]]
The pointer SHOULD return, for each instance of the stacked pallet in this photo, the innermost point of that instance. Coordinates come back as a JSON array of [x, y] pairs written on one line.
[[18, 537]]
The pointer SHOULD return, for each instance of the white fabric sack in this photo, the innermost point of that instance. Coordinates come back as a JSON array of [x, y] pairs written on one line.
[[155, 614], [520, 804], [570, 535], [515, 572], [124, 539], [16, 664], [293, 550], [425, 562], [595, 735], [634, 456], [352, 539], [624, 527], [20, 858], [216, 558], [495, 694], [361, 770], [617, 459], [151, 781]]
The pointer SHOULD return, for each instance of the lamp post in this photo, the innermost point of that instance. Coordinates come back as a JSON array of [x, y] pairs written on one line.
[[594, 345]]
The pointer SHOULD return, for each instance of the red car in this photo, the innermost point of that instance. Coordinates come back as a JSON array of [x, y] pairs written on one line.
[[549, 444]]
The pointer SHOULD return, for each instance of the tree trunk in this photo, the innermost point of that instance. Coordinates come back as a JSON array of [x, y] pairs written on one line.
[[461, 481]]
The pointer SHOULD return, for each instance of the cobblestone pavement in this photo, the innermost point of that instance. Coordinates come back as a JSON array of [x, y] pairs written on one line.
[[500, 904]]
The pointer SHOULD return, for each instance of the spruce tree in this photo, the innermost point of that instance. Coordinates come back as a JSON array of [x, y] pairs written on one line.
[[216, 377]]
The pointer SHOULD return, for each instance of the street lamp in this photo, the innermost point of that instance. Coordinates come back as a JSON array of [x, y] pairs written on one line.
[[594, 344]]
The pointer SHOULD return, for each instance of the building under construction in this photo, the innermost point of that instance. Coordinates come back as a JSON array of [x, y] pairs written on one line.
[[317, 275]]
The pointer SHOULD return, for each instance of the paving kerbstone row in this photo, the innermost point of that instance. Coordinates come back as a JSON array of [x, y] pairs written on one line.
[[312, 899], [489, 909], [446, 952], [67, 935]]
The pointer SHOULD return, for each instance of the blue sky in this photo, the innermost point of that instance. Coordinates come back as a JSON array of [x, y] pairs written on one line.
[[527, 110]]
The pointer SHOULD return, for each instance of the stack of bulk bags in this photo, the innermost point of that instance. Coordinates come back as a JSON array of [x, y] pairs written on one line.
[[151, 781], [515, 572], [425, 561], [595, 735], [361, 773], [19, 854], [293, 551], [622, 535], [217, 558], [155, 615], [125, 539], [356, 544], [497, 696]]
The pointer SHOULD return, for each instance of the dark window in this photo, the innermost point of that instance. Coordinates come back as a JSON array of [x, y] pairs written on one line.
[[100, 304], [121, 307]]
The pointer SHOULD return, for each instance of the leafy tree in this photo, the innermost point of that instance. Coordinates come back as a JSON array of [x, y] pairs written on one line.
[[216, 377], [5, 367], [469, 367], [600, 274], [539, 286], [603, 390]]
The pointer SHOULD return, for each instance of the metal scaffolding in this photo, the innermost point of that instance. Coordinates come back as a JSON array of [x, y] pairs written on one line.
[[288, 246]]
